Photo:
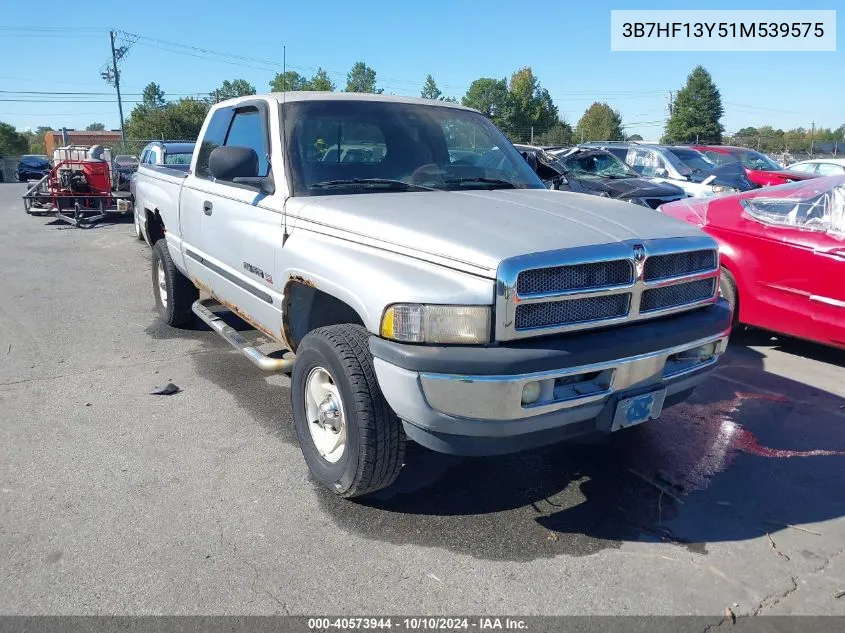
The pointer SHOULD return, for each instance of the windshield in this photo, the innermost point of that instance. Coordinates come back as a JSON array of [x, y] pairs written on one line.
[[597, 165], [756, 160], [179, 158], [351, 146], [691, 158]]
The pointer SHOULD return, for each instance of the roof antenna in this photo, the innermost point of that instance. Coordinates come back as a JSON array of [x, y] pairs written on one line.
[[284, 141]]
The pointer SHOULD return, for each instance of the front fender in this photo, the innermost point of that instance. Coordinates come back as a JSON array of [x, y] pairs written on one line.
[[369, 279]]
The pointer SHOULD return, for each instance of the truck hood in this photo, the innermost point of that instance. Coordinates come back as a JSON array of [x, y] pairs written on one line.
[[476, 230], [624, 188]]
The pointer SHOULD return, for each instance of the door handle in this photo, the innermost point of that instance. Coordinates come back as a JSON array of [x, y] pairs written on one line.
[[207, 207]]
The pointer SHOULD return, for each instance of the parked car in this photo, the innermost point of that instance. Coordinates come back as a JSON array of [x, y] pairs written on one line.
[[599, 173], [32, 167], [682, 166], [167, 153], [123, 168], [783, 255], [466, 308], [820, 166], [173, 156], [762, 171]]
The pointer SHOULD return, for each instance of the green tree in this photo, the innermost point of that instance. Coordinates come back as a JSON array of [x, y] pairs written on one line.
[[362, 78], [430, 89], [696, 112], [530, 105], [321, 82], [95, 127], [634, 137], [177, 120], [36, 139], [490, 97], [231, 89], [287, 81], [153, 96], [12, 142], [559, 134], [599, 122]]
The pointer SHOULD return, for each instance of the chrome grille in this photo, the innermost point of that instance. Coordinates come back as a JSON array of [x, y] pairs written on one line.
[[588, 287], [677, 264], [556, 313], [677, 294], [577, 277]]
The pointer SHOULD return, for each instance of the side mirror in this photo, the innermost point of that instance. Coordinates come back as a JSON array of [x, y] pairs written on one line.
[[660, 173], [558, 182], [238, 165]]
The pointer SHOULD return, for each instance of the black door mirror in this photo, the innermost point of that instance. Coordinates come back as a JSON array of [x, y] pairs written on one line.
[[238, 165]]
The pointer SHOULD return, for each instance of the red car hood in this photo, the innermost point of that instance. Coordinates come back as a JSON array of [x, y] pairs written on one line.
[[766, 177]]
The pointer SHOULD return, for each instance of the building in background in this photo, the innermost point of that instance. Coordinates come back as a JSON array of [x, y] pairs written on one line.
[[55, 138]]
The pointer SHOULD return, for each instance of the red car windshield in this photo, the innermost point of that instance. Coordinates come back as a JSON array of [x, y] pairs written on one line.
[[755, 160]]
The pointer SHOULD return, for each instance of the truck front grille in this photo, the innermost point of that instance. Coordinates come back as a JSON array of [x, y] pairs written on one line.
[[677, 264], [677, 295], [571, 311], [575, 277], [611, 284]]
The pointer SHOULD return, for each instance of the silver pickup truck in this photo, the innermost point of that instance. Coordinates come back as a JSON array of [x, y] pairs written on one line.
[[429, 285]]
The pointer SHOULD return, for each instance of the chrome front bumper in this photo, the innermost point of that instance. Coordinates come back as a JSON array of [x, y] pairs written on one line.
[[492, 406]]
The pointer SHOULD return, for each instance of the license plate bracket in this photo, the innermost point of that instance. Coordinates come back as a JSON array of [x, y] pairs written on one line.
[[637, 409]]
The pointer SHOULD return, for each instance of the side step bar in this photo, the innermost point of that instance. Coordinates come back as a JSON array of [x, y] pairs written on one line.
[[237, 341]]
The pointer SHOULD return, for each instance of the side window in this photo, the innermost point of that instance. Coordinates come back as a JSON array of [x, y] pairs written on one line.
[[829, 169], [214, 137], [717, 157], [248, 130], [145, 157], [805, 167]]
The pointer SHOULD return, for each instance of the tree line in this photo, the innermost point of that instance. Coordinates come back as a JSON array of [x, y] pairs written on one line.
[[518, 105]]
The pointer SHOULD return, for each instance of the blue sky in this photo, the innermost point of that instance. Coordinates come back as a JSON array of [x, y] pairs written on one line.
[[566, 43]]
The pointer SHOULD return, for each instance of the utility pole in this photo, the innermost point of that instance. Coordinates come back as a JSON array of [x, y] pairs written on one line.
[[670, 101], [117, 87], [812, 133]]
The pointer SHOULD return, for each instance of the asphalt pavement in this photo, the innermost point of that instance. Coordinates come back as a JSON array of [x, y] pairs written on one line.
[[115, 501]]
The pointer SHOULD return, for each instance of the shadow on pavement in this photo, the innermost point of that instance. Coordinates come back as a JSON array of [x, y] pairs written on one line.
[[732, 463]]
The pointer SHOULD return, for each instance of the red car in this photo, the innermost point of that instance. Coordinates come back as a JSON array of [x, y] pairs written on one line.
[[782, 253], [762, 171]]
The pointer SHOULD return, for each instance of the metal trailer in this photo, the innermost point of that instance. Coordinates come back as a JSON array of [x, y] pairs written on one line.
[[77, 191]]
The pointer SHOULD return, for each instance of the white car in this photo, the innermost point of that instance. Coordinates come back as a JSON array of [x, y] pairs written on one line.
[[820, 166]]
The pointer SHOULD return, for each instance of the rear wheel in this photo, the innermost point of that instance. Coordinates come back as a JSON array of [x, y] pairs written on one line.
[[728, 291], [174, 293], [138, 233], [352, 441]]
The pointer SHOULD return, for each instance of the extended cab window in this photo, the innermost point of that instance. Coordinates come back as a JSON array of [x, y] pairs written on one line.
[[248, 130], [214, 137]]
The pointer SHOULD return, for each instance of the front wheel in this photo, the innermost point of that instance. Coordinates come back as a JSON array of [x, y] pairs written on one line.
[[174, 293], [729, 292], [352, 441]]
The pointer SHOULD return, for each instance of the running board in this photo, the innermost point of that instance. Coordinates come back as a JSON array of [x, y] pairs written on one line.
[[237, 341]]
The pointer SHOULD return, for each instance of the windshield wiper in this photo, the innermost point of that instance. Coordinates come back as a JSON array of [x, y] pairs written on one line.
[[387, 182], [494, 182]]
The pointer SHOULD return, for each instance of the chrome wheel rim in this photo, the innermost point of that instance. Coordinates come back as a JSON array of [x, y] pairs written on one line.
[[162, 284], [324, 414]]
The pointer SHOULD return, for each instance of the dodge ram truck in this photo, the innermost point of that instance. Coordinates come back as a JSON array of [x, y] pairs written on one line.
[[417, 293]]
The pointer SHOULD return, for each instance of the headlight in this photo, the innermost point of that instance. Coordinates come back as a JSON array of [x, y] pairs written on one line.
[[723, 189], [415, 323]]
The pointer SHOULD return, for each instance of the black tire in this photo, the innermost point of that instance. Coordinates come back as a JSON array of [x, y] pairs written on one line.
[[181, 293], [375, 443], [727, 288]]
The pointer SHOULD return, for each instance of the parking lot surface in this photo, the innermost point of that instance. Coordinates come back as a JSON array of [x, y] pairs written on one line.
[[115, 501]]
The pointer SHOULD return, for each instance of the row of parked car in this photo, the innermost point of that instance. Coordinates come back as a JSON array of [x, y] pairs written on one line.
[[781, 230]]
